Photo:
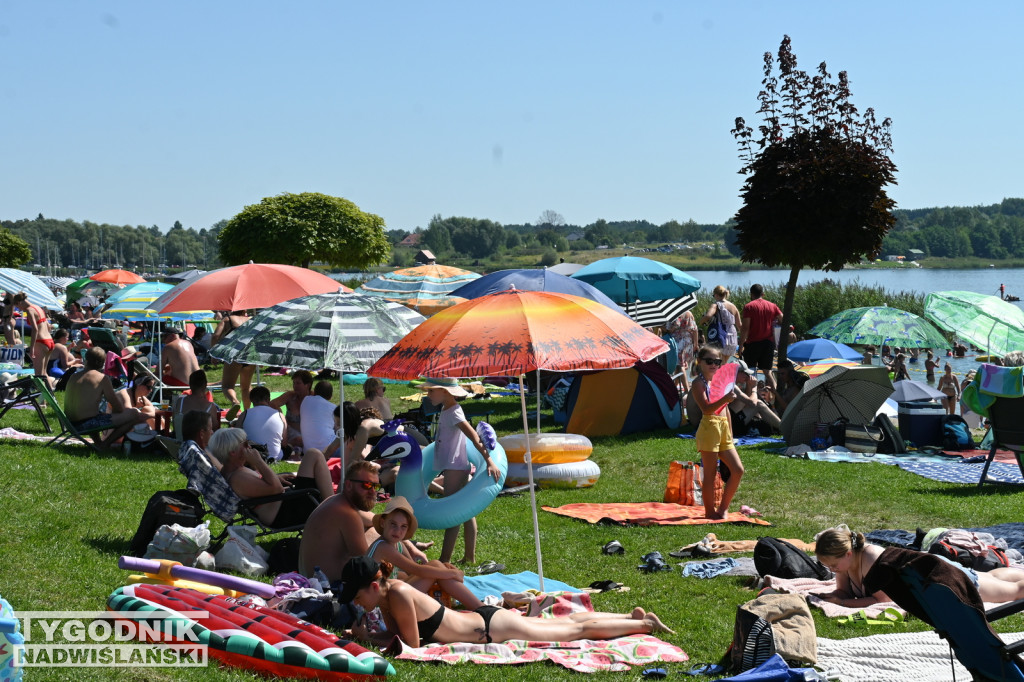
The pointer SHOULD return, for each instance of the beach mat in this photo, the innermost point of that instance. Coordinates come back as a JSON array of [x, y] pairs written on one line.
[[964, 472], [498, 583], [1012, 533], [896, 657], [646, 514]]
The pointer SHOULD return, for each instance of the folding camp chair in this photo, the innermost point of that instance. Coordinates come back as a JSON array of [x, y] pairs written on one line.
[[1006, 416], [967, 630], [221, 501], [105, 339], [28, 394], [68, 430]]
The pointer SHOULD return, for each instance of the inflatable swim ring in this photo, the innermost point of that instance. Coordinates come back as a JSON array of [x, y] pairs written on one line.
[[565, 475], [417, 472], [547, 448], [253, 638], [11, 643]]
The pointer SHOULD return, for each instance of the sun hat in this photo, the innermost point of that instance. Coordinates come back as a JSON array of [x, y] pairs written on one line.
[[450, 385], [141, 433], [358, 573], [396, 503], [744, 368]]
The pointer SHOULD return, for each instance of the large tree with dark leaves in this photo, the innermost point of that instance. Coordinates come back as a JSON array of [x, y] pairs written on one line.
[[816, 175]]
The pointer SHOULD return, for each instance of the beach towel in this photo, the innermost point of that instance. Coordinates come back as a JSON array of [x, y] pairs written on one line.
[[499, 583], [964, 472], [14, 434], [646, 514], [1002, 382], [740, 441], [810, 586], [896, 657]]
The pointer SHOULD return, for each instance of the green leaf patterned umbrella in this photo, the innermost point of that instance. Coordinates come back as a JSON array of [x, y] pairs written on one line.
[[986, 321], [880, 325], [340, 331]]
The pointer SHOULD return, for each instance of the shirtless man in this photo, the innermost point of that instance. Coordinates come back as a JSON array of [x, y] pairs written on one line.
[[62, 359], [178, 357], [302, 386], [336, 530], [82, 399]]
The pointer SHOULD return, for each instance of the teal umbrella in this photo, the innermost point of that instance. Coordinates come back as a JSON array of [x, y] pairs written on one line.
[[986, 321], [880, 325], [138, 289], [628, 279]]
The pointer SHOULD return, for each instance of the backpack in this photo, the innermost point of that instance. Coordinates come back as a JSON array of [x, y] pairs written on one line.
[[956, 435], [994, 558], [892, 442], [166, 507], [779, 558]]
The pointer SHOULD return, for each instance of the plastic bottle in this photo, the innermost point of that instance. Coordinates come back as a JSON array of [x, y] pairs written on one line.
[[321, 577]]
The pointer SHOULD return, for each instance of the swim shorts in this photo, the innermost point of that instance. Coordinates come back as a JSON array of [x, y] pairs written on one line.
[[100, 421], [714, 434]]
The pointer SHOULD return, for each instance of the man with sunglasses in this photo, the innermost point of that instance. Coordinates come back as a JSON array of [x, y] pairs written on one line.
[[336, 531]]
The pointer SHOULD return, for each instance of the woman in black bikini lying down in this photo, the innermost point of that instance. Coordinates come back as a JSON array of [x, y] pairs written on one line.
[[418, 618]]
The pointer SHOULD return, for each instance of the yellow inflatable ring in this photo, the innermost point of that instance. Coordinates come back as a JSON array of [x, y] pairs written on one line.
[[565, 475], [547, 448]]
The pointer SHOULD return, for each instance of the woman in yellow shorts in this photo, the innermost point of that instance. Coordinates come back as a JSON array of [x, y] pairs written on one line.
[[714, 435]]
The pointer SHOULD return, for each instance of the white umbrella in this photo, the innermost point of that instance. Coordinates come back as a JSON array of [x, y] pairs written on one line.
[[13, 281]]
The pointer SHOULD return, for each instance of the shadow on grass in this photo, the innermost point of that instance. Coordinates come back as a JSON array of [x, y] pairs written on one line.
[[109, 544], [962, 491], [83, 451]]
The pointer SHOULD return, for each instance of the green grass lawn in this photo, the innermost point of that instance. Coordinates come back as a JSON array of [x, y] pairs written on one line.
[[68, 514]]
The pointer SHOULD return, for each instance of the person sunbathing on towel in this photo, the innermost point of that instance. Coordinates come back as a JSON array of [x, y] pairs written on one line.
[[417, 618], [850, 557]]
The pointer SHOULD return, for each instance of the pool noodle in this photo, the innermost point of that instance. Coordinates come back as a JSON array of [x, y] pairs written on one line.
[[165, 569]]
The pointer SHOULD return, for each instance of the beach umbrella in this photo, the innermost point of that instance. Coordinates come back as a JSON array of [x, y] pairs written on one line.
[[813, 369], [880, 325], [628, 279], [140, 309], [909, 391], [12, 281], [58, 282], [244, 287], [183, 276], [516, 332], [137, 290], [531, 280], [852, 393], [87, 286], [116, 276], [819, 349], [425, 288], [566, 269], [661, 312], [985, 321]]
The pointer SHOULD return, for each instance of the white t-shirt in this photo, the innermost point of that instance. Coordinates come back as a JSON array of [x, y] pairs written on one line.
[[265, 425], [450, 443], [317, 422]]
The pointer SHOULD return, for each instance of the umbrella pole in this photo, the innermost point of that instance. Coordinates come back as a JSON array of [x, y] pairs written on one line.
[[538, 400], [528, 458], [341, 425]]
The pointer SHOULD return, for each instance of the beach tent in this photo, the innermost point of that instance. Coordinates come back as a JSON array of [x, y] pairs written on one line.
[[621, 401]]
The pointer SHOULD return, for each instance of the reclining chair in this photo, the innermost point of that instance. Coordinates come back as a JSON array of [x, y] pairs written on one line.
[[1006, 416], [28, 393], [951, 604], [206, 480]]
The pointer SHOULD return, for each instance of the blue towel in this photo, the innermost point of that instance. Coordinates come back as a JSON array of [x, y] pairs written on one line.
[[496, 583], [709, 569], [741, 440]]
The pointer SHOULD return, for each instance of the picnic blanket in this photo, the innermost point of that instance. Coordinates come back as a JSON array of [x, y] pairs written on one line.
[[809, 586], [646, 514], [500, 583], [741, 440], [896, 657], [1011, 533], [964, 472], [584, 655]]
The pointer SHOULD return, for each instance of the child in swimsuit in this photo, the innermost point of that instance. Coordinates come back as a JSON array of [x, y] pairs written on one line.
[[714, 435]]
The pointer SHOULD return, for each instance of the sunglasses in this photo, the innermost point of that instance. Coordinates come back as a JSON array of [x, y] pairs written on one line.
[[711, 361], [366, 485]]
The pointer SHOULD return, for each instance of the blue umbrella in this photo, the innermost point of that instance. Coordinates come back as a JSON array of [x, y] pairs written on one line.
[[531, 280], [629, 279], [819, 349], [138, 289], [13, 281]]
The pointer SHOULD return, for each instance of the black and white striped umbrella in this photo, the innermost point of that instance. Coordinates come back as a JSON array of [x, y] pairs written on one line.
[[853, 393], [658, 313], [340, 331]]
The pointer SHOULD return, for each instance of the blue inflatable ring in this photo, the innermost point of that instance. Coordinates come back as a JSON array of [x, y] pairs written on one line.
[[417, 472]]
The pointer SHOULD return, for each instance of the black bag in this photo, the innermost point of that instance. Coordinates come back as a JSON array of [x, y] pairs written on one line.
[[166, 507], [782, 560], [892, 442], [284, 556], [994, 558]]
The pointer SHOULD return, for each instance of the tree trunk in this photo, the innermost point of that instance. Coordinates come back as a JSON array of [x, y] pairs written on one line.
[[787, 310]]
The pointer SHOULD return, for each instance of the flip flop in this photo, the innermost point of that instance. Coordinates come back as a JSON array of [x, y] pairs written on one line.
[[654, 674], [607, 586], [614, 547], [653, 562], [488, 567], [707, 669]]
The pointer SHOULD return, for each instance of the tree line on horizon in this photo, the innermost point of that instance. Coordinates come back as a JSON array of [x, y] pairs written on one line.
[[995, 231]]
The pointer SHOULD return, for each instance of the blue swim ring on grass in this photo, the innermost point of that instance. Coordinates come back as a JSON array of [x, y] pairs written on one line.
[[11, 642], [417, 472]]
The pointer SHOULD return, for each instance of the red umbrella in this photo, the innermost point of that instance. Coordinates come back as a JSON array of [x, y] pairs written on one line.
[[243, 287], [512, 332], [118, 277]]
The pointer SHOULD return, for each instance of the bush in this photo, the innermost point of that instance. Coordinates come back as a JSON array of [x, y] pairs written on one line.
[[548, 258]]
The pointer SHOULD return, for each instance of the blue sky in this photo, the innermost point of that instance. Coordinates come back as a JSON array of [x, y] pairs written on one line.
[[144, 113]]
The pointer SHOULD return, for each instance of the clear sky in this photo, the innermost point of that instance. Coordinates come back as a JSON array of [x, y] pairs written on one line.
[[143, 113]]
